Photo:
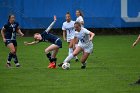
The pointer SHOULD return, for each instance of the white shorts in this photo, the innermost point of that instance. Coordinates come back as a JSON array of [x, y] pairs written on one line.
[[87, 48], [69, 39]]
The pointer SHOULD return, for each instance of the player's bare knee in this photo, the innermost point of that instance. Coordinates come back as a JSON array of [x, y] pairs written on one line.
[[13, 51], [46, 51], [75, 54]]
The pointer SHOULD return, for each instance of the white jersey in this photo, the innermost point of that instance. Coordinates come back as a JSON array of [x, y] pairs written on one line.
[[79, 19], [83, 37], [69, 27], [84, 41]]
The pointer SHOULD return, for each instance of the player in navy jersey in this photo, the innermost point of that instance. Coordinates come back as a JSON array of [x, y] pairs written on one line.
[[54, 47], [8, 33]]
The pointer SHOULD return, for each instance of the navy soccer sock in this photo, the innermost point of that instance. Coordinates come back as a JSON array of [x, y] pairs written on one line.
[[15, 59], [10, 55]]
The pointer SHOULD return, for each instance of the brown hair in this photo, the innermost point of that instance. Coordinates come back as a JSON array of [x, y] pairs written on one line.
[[77, 23], [81, 13], [10, 16], [68, 13]]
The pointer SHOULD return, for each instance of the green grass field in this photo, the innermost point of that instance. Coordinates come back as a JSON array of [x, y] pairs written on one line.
[[110, 69]]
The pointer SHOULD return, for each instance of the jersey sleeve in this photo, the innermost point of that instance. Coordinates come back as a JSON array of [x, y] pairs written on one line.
[[86, 31], [17, 24], [81, 19], [63, 27], [76, 33], [5, 26], [50, 27]]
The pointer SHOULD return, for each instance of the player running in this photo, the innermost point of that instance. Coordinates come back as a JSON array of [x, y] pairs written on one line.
[[79, 17], [134, 44], [85, 44], [68, 33], [8, 33], [54, 47]]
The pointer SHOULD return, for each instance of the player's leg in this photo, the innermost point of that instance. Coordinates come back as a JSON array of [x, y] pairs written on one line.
[[70, 45], [12, 52], [54, 54], [86, 52], [48, 50], [68, 58], [15, 55], [71, 49], [16, 58], [75, 53], [83, 59]]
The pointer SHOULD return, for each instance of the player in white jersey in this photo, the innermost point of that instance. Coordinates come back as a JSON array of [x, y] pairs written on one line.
[[68, 33], [85, 44], [79, 17]]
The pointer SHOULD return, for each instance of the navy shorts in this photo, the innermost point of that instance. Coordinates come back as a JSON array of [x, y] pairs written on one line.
[[59, 43], [11, 41]]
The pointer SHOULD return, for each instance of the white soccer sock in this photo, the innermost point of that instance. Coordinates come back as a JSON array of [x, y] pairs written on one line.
[[84, 64], [17, 64], [68, 58], [70, 51], [76, 57], [8, 61]]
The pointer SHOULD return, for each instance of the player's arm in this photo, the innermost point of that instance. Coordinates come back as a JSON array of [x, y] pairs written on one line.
[[64, 34], [2, 33], [51, 25], [75, 41], [19, 31], [136, 42], [91, 36], [31, 43]]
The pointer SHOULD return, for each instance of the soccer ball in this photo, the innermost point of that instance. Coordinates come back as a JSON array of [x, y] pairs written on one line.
[[66, 66]]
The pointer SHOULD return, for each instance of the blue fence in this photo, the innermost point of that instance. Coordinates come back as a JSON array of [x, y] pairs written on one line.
[[32, 14]]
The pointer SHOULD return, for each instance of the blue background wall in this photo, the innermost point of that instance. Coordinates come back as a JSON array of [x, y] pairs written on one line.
[[32, 14]]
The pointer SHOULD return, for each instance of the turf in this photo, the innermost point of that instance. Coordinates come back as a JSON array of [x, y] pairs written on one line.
[[110, 69]]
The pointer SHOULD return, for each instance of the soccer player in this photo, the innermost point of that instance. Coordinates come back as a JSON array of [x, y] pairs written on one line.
[[79, 17], [8, 33], [54, 47], [85, 44], [68, 33], [134, 44]]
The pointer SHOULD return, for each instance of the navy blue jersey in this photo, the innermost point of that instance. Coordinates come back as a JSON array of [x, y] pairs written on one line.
[[10, 33], [48, 37]]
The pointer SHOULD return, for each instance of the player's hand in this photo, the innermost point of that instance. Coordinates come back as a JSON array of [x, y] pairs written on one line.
[[134, 44], [90, 39], [4, 40], [26, 43], [55, 18], [22, 34]]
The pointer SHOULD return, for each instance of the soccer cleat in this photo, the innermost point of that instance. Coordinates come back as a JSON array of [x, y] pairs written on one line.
[[83, 67], [137, 82], [8, 65], [17, 65], [52, 65], [76, 60], [60, 65]]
